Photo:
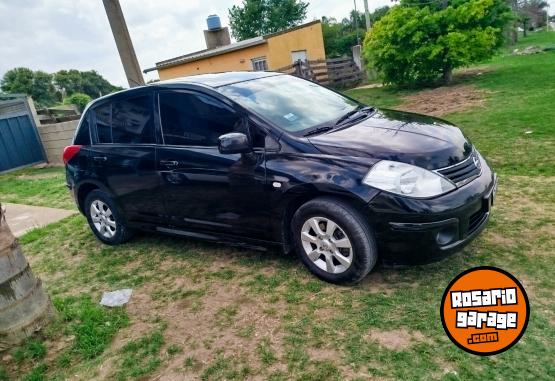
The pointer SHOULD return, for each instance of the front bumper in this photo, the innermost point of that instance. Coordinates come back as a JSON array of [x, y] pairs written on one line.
[[412, 231]]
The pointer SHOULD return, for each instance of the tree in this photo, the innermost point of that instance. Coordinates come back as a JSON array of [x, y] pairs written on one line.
[[417, 41], [35, 84], [260, 17], [531, 13], [49, 89], [87, 82], [340, 37], [24, 306]]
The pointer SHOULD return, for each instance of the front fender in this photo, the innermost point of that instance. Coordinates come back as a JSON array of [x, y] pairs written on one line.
[[297, 178]]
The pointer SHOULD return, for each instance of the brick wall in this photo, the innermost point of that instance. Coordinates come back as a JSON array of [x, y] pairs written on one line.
[[55, 137]]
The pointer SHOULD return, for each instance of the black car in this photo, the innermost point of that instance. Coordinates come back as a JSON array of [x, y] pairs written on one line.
[[258, 159]]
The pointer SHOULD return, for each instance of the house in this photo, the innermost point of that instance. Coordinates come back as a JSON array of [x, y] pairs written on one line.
[[270, 52]]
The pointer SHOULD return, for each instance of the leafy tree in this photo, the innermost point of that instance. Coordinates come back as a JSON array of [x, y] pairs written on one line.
[[340, 37], [37, 84], [69, 81], [260, 17], [78, 99], [87, 82], [48, 89], [418, 41]]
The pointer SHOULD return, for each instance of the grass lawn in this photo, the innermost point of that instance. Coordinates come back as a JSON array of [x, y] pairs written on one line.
[[202, 311], [36, 186]]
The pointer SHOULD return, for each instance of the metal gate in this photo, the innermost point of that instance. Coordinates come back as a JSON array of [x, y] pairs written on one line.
[[20, 143]]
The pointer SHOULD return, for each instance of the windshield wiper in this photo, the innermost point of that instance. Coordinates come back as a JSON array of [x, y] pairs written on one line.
[[348, 115], [318, 130]]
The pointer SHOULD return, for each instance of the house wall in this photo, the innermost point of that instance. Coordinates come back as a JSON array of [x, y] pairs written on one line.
[[309, 38], [237, 60], [277, 51], [55, 137]]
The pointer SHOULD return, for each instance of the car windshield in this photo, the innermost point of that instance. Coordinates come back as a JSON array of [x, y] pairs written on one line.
[[293, 104]]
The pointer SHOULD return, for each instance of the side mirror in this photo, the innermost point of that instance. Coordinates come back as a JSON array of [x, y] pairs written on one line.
[[234, 142]]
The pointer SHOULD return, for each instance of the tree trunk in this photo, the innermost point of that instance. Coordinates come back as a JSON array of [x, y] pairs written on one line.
[[24, 306], [447, 75]]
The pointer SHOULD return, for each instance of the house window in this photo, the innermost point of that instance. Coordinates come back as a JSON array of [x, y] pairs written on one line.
[[299, 55], [259, 64]]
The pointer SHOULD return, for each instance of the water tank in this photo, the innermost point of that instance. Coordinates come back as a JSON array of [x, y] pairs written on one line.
[[213, 22]]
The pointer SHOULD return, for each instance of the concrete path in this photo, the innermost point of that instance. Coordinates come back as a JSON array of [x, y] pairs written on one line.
[[22, 218], [370, 86]]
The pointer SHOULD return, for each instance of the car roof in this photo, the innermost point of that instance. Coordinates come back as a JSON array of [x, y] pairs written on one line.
[[219, 79], [213, 80]]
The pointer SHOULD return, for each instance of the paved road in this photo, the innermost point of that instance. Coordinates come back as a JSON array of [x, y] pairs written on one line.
[[22, 218]]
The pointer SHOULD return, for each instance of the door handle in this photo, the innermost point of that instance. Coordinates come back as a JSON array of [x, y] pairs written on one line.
[[100, 158], [169, 163]]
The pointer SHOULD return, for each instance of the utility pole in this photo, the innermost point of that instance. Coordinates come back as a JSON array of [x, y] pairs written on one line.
[[123, 43], [355, 21], [367, 15]]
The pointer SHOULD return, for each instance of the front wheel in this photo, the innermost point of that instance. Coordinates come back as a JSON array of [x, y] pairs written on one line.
[[333, 240], [105, 220]]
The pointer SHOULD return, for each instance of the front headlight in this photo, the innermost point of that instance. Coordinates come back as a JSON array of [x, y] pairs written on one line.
[[407, 180]]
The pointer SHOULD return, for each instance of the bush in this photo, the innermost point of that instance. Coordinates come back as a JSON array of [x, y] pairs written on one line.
[[416, 43], [78, 99]]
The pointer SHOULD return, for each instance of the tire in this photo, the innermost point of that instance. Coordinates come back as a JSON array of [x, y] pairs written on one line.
[[347, 264], [108, 226]]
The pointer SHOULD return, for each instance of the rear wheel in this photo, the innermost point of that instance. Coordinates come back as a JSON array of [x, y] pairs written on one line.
[[105, 220], [333, 240]]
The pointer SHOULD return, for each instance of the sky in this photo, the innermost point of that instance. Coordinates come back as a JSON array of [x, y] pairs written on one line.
[[51, 35]]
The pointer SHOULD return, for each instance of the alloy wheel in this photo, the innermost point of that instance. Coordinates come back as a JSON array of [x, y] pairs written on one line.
[[103, 219], [327, 245]]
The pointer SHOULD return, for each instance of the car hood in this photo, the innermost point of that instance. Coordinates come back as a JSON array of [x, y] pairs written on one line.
[[420, 140]]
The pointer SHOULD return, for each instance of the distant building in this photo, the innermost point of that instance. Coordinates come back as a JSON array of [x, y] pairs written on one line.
[[270, 52]]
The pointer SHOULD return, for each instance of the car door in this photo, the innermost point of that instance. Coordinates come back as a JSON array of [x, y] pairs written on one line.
[[204, 189], [123, 154]]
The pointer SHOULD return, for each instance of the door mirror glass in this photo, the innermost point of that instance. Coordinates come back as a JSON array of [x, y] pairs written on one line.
[[234, 142]]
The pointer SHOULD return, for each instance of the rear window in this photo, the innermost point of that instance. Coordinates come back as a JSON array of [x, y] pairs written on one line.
[[83, 136], [127, 121]]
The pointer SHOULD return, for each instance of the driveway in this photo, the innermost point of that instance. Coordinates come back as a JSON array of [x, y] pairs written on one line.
[[22, 218]]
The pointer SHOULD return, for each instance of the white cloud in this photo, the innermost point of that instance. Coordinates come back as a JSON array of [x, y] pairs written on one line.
[[61, 34]]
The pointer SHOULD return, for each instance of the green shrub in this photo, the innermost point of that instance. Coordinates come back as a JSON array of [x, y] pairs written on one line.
[[78, 99], [417, 42]]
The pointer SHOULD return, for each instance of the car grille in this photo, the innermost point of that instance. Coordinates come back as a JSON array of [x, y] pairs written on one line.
[[476, 220], [463, 172]]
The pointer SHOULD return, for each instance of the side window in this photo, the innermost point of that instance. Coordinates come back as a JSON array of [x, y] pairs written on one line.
[[82, 136], [125, 121], [195, 119], [103, 119]]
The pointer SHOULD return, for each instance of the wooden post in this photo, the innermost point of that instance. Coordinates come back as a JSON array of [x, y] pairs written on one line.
[[24, 306]]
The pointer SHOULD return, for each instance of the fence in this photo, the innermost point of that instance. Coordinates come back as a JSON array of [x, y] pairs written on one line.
[[336, 72], [20, 145], [55, 137]]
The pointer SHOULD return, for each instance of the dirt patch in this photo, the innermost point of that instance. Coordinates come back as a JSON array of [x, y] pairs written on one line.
[[499, 239], [229, 323], [397, 340], [385, 282], [469, 73], [444, 100]]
